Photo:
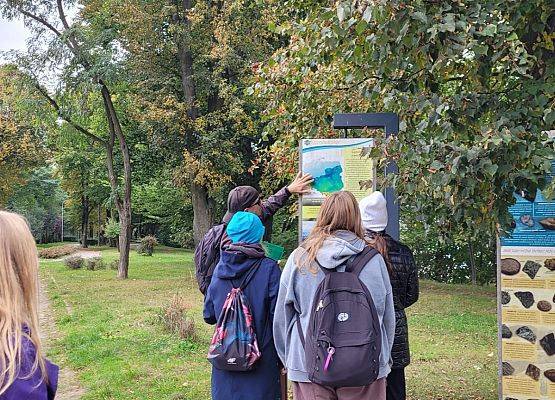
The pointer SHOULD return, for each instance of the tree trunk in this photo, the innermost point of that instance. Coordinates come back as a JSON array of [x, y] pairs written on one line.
[[99, 226], [123, 205], [472, 263], [203, 216], [186, 64], [84, 221], [124, 243]]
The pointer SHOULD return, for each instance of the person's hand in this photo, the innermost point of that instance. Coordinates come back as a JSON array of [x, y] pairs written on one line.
[[301, 184]]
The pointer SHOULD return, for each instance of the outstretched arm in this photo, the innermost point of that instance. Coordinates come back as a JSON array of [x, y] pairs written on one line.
[[300, 185]]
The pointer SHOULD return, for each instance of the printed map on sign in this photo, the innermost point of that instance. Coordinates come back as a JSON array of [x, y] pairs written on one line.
[[335, 164]]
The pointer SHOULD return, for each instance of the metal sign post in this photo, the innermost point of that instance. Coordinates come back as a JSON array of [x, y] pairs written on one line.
[[389, 122]]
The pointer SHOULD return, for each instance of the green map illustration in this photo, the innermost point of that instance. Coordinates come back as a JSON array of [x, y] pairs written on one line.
[[330, 181]]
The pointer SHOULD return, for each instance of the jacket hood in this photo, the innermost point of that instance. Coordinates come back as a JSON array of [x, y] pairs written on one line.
[[237, 259], [339, 248]]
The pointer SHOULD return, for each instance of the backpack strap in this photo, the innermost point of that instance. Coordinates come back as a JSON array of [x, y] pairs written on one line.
[[356, 264]]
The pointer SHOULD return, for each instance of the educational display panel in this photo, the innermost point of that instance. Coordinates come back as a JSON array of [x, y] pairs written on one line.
[[335, 164], [527, 297]]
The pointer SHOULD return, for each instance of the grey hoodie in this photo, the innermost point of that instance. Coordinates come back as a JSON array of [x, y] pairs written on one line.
[[296, 292]]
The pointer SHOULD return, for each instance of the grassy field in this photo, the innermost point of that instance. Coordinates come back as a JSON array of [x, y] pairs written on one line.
[[110, 334]]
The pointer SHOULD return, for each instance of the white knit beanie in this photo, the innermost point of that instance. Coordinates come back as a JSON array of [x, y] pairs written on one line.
[[373, 210]]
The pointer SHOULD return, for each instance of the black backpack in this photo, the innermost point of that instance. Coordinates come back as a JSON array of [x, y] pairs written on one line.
[[207, 256], [343, 340]]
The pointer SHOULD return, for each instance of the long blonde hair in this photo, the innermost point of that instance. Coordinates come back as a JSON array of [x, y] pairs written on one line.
[[339, 211], [18, 298]]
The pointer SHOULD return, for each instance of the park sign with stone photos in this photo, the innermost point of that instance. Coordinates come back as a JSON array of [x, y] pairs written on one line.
[[526, 297]]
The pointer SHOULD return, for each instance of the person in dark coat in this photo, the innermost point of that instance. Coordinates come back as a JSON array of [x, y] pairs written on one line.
[[404, 281], [241, 198], [245, 231]]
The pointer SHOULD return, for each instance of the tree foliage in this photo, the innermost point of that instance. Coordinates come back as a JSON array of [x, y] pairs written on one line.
[[473, 83], [190, 63], [85, 57], [39, 199], [22, 145]]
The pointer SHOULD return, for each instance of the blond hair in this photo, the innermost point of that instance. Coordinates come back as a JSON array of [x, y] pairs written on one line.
[[18, 298], [339, 211]]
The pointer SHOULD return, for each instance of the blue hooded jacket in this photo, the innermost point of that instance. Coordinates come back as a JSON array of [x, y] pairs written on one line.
[[263, 382]]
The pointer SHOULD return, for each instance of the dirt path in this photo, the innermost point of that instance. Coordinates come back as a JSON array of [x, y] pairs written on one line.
[[69, 387], [86, 254]]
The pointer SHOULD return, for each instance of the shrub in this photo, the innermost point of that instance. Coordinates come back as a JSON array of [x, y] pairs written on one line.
[[113, 264], [57, 251], [146, 247], [112, 231], [184, 238], [175, 319], [94, 263], [74, 262]]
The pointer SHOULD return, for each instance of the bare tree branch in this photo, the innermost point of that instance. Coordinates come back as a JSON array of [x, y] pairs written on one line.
[[70, 34], [41, 21]]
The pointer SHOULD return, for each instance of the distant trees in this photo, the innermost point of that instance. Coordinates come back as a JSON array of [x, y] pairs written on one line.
[[39, 199], [22, 146], [87, 59]]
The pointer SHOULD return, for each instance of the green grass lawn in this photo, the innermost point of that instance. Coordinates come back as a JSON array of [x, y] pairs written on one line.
[[111, 337]]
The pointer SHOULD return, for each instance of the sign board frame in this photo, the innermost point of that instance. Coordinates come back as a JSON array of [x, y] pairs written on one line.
[[389, 122]]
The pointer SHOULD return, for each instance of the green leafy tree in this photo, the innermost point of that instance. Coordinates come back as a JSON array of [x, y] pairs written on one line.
[[191, 61], [473, 83], [88, 59], [82, 172], [22, 146], [39, 199]]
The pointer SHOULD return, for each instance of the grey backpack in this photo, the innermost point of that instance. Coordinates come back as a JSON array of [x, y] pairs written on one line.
[[343, 340]]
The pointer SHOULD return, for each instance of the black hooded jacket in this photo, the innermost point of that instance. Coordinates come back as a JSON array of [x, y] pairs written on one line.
[[404, 281]]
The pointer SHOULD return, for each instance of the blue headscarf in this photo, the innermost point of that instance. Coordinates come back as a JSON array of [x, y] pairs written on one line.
[[245, 227]]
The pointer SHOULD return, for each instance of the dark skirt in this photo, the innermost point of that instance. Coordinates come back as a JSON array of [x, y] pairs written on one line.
[[262, 383]]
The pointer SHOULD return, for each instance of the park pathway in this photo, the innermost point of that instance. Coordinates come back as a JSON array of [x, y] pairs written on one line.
[[69, 387]]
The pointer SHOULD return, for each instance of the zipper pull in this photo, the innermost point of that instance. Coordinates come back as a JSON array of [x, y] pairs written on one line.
[[320, 305], [329, 358]]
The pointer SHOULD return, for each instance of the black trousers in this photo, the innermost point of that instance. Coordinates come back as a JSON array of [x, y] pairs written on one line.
[[396, 387]]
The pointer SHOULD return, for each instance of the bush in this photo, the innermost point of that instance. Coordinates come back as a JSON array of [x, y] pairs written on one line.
[[175, 319], [184, 238], [57, 251], [146, 247], [74, 262], [112, 231], [94, 263], [113, 264]]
